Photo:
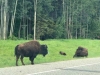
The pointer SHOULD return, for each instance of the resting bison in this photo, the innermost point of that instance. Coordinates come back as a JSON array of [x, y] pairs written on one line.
[[29, 49], [81, 52], [62, 53]]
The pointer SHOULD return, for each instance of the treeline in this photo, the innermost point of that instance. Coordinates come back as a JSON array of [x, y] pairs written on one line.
[[54, 19]]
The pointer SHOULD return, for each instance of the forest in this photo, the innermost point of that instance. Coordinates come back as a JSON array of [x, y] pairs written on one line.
[[49, 19]]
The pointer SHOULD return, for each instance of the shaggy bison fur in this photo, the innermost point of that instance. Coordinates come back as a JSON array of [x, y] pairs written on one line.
[[81, 52], [29, 49], [62, 53]]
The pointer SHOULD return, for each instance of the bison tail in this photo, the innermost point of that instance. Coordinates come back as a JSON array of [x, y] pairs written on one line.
[[16, 49]]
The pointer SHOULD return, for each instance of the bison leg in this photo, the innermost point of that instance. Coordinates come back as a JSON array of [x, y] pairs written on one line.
[[86, 56], [22, 60], [17, 57], [31, 59]]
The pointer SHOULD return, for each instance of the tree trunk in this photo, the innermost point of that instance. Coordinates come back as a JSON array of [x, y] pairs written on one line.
[[67, 25], [12, 19], [70, 21], [87, 27], [2, 10], [19, 30], [5, 21], [76, 23], [1, 26], [64, 11], [35, 6]]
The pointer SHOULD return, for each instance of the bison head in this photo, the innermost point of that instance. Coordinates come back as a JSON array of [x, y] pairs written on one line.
[[44, 50]]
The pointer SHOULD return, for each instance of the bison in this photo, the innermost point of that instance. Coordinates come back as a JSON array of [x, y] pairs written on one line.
[[81, 52], [29, 49], [62, 53]]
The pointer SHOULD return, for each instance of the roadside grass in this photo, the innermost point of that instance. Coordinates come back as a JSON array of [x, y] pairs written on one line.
[[7, 58]]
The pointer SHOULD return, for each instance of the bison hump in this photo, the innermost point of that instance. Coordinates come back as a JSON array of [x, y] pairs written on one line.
[[31, 45]]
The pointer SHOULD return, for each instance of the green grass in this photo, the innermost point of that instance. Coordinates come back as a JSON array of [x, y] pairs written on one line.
[[7, 58]]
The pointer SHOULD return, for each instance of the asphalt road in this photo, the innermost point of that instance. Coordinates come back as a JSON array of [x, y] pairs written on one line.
[[85, 66]]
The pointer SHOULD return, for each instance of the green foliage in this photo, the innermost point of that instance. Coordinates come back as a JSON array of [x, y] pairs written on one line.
[[60, 28], [30, 36], [12, 38], [45, 27], [53, 16]]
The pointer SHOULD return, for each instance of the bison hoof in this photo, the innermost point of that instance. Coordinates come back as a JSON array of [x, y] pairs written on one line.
[[32, 63], [16, 64], [23, 64]]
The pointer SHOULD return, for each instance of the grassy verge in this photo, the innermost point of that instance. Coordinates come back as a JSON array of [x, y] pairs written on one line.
[[7, 58]]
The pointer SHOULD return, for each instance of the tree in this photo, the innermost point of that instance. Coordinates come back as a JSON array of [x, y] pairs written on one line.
[[4, 14], [12, 19], [68, 18], [35, 6]]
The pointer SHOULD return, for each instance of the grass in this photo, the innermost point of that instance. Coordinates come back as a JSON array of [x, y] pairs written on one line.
[[7, 58]]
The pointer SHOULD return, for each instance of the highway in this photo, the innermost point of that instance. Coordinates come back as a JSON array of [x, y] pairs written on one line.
[[84, 66]]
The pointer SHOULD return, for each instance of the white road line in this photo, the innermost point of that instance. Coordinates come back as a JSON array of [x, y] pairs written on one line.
[[63, 68]]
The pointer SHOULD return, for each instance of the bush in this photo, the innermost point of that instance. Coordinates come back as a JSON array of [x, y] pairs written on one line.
[[12, 37]]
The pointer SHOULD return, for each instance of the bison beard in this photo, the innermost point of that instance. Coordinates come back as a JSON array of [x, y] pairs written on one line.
[[29, 49]]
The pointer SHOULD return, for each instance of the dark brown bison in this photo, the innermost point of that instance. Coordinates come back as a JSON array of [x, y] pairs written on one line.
[[29, 49], [42, 38], [62, 53], [97, 37], [81, 52]]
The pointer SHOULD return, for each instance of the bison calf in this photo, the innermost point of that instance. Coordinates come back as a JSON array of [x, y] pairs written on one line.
[[62, 53], [29, 49], [81, 52]]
